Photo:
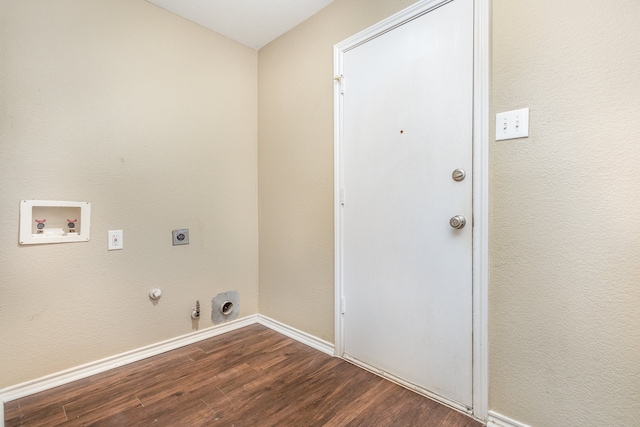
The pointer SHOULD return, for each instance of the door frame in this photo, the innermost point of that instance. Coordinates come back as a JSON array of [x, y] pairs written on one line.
[[480, 147]]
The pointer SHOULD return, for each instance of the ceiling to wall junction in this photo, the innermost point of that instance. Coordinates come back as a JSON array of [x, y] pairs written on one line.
[[253, 23]]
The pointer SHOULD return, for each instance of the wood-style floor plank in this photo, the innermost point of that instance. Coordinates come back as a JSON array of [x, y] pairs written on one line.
[[249, 377]]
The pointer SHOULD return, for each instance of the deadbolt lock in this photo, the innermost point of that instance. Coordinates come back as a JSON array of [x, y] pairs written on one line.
[[458, 175]]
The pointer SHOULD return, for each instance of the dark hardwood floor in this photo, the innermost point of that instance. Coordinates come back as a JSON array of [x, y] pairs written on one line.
[[249, 377]]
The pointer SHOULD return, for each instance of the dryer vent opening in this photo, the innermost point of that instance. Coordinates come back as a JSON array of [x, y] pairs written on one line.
[[224, 307]]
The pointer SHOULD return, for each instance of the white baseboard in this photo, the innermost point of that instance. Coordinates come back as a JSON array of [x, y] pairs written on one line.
[[83, 371], [64, 377], [498, 420], [303, 337]]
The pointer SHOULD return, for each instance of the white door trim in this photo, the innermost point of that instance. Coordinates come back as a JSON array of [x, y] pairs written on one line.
[[481, 78]]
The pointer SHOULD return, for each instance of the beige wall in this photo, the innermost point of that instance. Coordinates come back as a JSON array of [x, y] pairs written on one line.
[[123, 105], [153, 120], [564, 293], [565, 236], [296, 163]]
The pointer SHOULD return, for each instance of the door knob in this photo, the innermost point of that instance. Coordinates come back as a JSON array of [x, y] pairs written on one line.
[[458, 222]]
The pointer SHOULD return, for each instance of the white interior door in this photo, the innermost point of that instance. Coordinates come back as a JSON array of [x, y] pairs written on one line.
[[406, 272]]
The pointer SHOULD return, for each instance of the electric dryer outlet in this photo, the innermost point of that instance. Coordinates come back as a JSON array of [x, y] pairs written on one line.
[[180, 237]]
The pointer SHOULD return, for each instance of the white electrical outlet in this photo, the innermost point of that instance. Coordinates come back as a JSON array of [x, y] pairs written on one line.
[[115, 240], [512, 124]]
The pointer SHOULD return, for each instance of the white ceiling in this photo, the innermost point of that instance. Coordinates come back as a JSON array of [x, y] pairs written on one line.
[[253, 23]]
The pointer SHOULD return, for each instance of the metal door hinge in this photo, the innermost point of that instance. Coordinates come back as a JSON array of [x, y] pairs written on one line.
[[340, 80]]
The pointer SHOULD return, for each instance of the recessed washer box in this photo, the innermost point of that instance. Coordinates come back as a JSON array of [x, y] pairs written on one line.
[[51, 221]]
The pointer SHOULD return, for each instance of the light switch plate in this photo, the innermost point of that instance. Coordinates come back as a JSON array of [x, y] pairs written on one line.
[[512, 124], [180, 237]]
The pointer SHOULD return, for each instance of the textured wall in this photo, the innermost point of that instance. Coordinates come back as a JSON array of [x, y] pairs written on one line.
[[296, 163], [153, 120], [565, 239]]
